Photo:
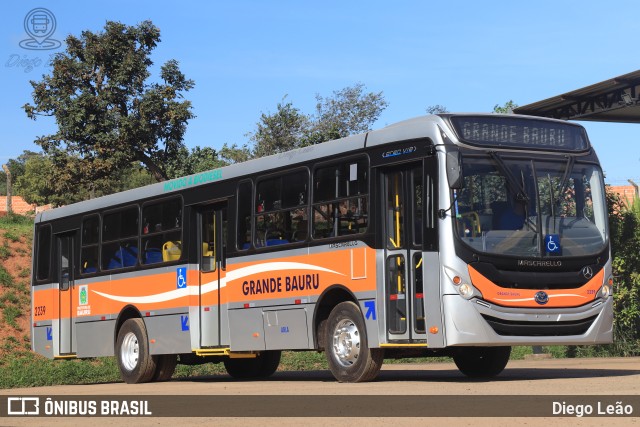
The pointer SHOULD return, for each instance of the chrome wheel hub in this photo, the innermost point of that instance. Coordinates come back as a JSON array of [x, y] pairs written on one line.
[[130, 351], [346, 343]]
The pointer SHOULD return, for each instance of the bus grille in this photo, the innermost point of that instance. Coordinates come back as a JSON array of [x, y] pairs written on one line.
[[534, 329]]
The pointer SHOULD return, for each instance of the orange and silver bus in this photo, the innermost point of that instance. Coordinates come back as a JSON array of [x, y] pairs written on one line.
[[454, 234]]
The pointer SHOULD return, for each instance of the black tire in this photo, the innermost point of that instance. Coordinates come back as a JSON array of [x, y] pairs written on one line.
[[132, 351], [348, 354], [261, 366], [270, 363], [481, 362], [165, 367]]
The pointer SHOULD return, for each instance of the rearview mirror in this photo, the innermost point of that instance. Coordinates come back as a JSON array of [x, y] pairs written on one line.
[[454, 170]]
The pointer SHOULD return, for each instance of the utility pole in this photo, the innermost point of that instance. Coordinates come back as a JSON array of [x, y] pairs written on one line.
[[8, 173], [636, 187]]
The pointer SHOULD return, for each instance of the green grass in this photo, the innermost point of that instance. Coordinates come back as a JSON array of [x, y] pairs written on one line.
[[5, 252], [26, 369], [25, 273], [12, 235], [5, 278], [17, 227], [10, 313], [9, 297]]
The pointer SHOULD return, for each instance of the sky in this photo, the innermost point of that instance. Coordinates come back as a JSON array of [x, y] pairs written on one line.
[[247, 56]]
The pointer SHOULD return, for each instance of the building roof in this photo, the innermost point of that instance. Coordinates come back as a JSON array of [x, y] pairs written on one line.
[[613, 100]]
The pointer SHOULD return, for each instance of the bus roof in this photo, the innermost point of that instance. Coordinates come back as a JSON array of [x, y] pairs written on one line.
[[418, 127]]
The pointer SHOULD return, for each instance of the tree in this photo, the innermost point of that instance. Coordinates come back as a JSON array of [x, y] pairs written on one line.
[[624, 224], [16, 168], [282, 131], [109, 116], [347, 112], [507, 108], [230, 154], [437, 109], [190, 162], [34, 184]]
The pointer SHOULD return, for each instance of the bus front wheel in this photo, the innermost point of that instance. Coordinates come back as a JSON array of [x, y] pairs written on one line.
[[348, 354], [132, 350], [479, 362]]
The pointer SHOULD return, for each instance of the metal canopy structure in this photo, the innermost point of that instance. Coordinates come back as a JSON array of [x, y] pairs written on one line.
[[614, 100]]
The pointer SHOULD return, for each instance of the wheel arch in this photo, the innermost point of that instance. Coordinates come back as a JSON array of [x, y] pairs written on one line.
[[128, 312], [330, 297]]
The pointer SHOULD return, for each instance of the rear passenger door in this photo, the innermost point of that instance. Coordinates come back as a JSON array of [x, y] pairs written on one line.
[[212, 238], [68, 296]]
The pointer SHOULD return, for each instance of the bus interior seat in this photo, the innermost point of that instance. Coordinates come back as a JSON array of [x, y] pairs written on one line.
[[506, 217], [171, 251], [125, 256], [89, 268], [207, 251], [152, 256], [275, 237]]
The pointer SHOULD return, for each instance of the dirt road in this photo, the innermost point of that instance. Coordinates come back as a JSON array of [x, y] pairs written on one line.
[[427, 382]]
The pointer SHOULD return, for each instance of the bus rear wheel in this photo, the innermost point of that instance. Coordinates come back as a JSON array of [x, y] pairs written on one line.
[[132, 351], [481, 362], [165, 367], [261, 366], [348, 354]]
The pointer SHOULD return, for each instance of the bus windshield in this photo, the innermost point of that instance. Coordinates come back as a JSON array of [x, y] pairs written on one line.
[[531, 207]]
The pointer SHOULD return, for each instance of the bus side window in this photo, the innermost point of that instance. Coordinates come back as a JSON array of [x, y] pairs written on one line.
[[120, 238], [43, 257], [161, 231], [243, 238], [282, 210], [89, 245], [340, 202]]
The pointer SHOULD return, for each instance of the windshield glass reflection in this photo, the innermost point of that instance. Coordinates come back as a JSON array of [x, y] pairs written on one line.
[[531, 208]]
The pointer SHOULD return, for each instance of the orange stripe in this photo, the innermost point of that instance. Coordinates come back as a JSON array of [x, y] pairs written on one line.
[[510, 297], [339, 261]]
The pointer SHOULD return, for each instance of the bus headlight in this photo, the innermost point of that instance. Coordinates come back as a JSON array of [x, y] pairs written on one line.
[[605, 291], [465, 290], [462, 284]]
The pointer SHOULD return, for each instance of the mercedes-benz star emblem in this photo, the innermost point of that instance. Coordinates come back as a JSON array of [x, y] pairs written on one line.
[[587, 272]]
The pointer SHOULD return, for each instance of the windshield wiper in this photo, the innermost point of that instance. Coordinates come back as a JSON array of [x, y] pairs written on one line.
[[565, 177], [516, 187], [552, 202], [521, 193]]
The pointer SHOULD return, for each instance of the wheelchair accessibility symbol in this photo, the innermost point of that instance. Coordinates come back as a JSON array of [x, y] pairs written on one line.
[[552, 242], [181, 278]]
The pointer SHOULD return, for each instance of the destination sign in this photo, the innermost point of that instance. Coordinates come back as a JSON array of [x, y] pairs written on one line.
[[513, 132]]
